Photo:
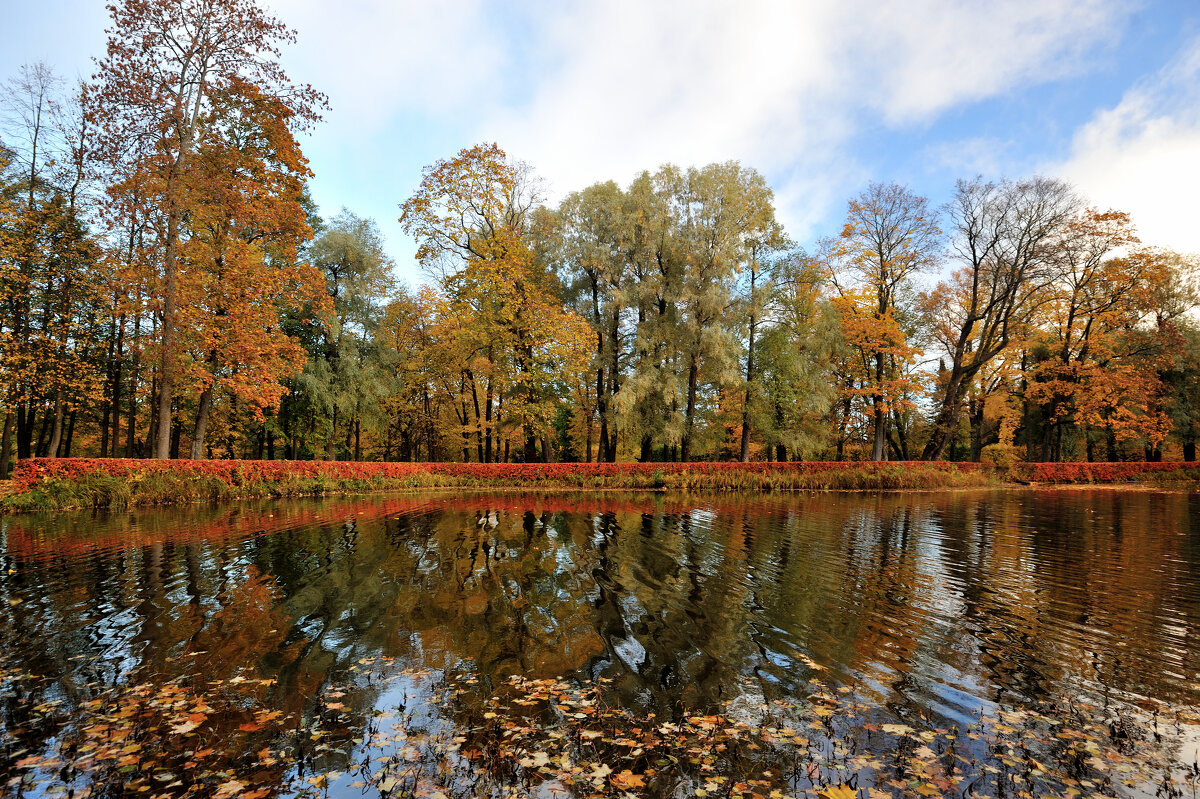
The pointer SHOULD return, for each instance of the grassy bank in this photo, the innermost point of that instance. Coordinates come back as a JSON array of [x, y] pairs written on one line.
[[42, 484]]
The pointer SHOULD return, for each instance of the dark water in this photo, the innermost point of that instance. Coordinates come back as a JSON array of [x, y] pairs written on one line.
[[942, 604]]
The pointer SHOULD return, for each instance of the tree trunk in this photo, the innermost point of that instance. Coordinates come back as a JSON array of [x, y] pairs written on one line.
[[945, 424], [479, 453], [166, 378], [745, 449], [106, 418], [115, 401], [331, 442], [977, 433], [108, 410], [878, 453], [135, 368], [56, 432], [488, 400], [601, 409], [24, 430], [693, 380], [66, 449], [614, 379], [47, 417], [6, 444], [201, 427], [1189, 454], [166, 365], [901, 437], [1047, 437]]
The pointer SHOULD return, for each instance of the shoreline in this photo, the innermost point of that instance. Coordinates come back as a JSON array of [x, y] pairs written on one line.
[[83, 483]]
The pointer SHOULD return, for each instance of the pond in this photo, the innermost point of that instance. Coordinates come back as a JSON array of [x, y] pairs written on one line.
[[991, 641]]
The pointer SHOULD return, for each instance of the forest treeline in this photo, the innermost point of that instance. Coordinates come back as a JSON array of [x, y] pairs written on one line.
[[169, 289]]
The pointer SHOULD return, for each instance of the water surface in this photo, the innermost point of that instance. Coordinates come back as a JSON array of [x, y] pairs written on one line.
[[939, 606]]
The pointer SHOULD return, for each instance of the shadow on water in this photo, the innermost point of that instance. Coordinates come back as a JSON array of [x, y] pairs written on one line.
[[936, 607]]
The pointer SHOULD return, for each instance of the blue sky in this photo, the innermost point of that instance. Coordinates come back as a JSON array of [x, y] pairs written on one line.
[[822, 97]]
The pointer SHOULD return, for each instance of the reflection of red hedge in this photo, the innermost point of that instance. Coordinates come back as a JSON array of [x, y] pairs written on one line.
[[1095, 472], [236, 473], [41, 541]]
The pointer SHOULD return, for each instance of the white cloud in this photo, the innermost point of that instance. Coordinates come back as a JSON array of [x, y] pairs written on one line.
[[1143, 156], [378, 58], [932, 55], [782, 86], [598, 90]]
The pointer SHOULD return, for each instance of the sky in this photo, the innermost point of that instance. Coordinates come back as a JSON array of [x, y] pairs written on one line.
[[821, 97]]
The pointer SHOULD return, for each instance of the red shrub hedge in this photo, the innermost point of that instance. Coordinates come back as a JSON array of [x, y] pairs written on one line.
[[235, 473], [1095, 472]]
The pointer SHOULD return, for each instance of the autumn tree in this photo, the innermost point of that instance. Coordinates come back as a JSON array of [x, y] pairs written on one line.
[[1002, 237], [246, 224], [769, 283], [889, 237], [416, 406], [472, 216], [1098, 366], [171, 68], [49, 288]]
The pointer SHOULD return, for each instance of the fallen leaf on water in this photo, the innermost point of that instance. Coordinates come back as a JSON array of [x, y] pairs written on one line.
[[838, 792], [897, 729], [229, 788], [627, 779]]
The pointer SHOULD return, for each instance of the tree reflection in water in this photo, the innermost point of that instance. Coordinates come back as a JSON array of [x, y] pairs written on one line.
[[935, 606]]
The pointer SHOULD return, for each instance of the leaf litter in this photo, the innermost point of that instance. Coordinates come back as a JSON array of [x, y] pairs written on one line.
[[450, 735]]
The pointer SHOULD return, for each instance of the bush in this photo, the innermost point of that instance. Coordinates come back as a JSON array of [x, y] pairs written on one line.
[[95, 482], [1137, 472], [1000, 456]]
